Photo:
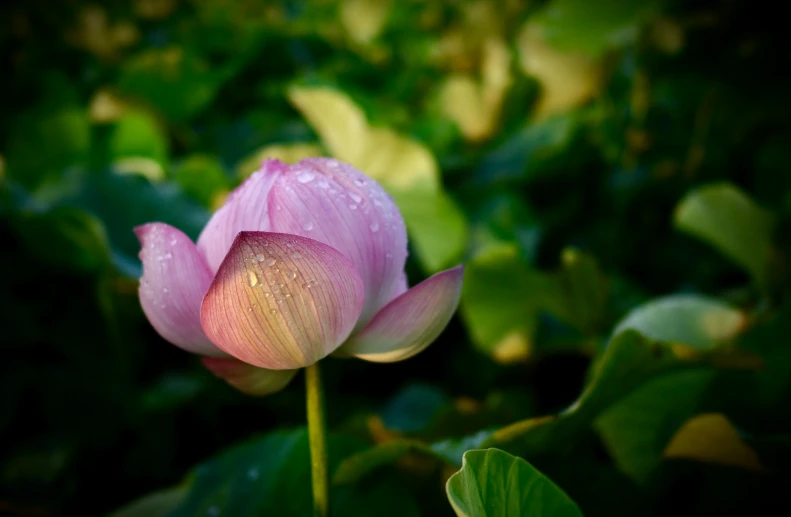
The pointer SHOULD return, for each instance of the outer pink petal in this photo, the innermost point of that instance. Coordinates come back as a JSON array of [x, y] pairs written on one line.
[[247, 378], [246, 209], [411, 322], [281, 301], [175, 278], [336, 204]]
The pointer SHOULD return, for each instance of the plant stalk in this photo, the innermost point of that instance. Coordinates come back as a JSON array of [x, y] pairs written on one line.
[[317, 432]]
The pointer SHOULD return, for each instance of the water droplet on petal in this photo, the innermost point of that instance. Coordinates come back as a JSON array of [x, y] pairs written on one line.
[[253, 278], [359, 183], [267, 294], [306, 177], [271, 262], [355, 197], [272, 311], [275, 270], [165, 290], [292, 275], [296, 255], [324, 184], [308, 226], [173, 242], [352, 207], [260, 257], [374, 227]]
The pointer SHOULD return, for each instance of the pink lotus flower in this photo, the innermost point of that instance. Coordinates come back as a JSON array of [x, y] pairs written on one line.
[[302, 261]]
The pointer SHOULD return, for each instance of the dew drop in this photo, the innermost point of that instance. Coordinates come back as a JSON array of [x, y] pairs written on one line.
[[272, 311], [306, 177], [271, 262], [308, 226], [292, 275], [275, 270], [352, 207], [355, 197], [359, 182], [173, 242], [377, 202], [267, 294], [296, 255], [374, 227], [260, 257], [324, 184], [165, 290], [306, 286], [253, 278], [287, 295], [272, 281]]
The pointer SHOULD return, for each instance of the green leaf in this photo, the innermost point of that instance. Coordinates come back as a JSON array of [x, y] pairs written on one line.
[[413, 408], [136, 138], [698, 321], [122, 202], [499, 302], [271, 476], [158, 504], [729, 220], [436, 226], [202, 177], [580, 295], [492, 483], [637, 429], [65, 237], [502, 297], [592, 28], [629, 362], [360, 465], [41, 147], [539, 149], [177, 82]]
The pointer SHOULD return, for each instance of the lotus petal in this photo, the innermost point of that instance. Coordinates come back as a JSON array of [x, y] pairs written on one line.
[[281, 301]]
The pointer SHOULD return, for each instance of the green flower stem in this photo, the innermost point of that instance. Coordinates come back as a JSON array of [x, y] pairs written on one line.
[[318, 441]]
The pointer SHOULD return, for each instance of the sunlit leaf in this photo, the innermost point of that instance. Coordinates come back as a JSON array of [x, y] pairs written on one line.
[[711, 438], [475, 105], [568, 78], [729, 220], [363, 20], [637, 429], [406, 169], [493, 483]]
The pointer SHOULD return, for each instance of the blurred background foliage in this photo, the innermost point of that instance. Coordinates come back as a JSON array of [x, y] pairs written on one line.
[[614, 174]]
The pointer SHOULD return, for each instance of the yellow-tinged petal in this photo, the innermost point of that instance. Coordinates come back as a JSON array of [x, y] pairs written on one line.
[[281, 301]]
